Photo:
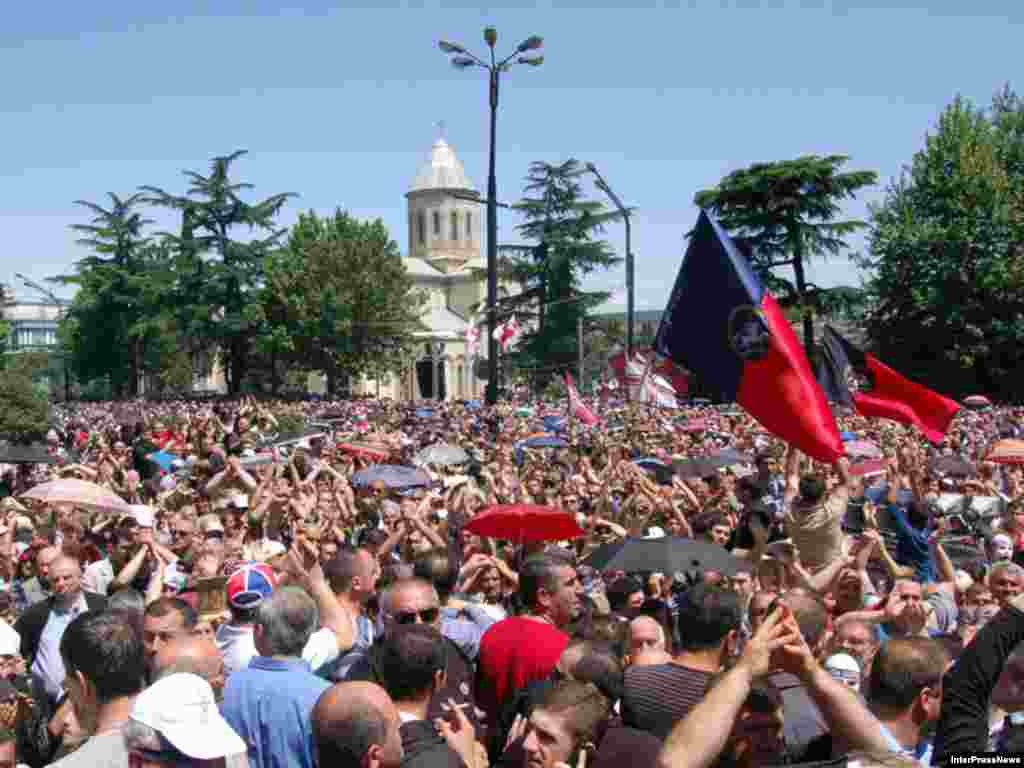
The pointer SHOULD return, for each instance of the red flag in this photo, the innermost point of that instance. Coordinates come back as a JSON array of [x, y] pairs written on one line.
[[887, 394], [721, 324], [576, 405]]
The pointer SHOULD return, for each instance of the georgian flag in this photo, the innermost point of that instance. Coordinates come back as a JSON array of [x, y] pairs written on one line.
[[507, 334], [577, 407], [472, 336]]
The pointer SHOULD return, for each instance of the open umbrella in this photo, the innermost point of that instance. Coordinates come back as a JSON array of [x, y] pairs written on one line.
[[545, 441], [730, 456], [951, 466], [164, 459], [22, 453], [694, 467], [374, 451], [669, 554], [443, 455], [662, 472], [392, 476], [80, 493], [863, 449], [1007, 451], [554, 423], [524, 522], [977, 402]]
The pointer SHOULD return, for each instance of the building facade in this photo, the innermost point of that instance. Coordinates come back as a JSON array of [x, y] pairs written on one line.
[[444, 260]]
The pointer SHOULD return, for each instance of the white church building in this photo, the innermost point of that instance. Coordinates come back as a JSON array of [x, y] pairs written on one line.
[[444, 259]]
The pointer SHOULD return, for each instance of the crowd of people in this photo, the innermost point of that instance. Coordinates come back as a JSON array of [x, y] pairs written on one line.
[[251, 604]]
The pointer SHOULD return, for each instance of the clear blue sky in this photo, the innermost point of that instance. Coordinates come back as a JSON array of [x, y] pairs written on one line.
[[338, 102]]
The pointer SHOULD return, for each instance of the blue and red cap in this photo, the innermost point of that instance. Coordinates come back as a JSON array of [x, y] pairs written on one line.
[[250, 585]]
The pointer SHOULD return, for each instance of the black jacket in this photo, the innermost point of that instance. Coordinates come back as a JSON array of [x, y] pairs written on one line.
[[31, 623], [424, 747], [967, 687]]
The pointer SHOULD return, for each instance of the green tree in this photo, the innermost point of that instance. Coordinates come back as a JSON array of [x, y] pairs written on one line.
[[947, 254], [23, 408], [783, 213], [219, 275], [565, 227], [338, 299], [115, 302]]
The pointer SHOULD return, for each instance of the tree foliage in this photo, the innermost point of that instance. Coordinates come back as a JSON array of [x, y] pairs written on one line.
[[338, 299], [219, 274], [947, 253], [783, 213], [23, 409], [110, 322], [565, 227]]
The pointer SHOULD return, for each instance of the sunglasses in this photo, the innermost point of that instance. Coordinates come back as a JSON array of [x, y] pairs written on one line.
[[426, 616]]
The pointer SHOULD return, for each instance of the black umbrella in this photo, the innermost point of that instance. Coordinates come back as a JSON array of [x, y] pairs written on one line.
[[668, 555], [951, 466], [730, 456]]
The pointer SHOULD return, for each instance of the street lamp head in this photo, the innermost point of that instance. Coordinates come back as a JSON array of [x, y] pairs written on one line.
[[490, 36], [462, 62], [530, 44], [533, 61], [592, 168], [447, 47]]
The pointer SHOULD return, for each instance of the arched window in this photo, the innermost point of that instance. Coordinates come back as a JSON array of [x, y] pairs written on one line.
[[455, 226], [469, 225], [421, 227], [437, 224]]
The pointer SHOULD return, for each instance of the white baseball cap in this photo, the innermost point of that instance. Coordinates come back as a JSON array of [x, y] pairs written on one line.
[[183, 710], [845, 668]]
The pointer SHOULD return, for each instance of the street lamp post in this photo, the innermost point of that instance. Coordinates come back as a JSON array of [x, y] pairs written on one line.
[[463, 59], [60, 317], [603, 186]]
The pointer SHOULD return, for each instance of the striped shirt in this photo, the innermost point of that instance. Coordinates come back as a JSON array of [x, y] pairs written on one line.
[[658, 696]]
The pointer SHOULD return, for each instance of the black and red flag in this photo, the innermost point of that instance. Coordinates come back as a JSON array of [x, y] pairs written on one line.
[[856, 378], [721, 324]]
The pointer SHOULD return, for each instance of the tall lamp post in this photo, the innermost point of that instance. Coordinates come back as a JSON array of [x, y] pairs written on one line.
[[463, 59], [603, 186], [60, 316]]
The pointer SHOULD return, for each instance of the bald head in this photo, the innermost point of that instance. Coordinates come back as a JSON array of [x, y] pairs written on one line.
[[645, 633], [190, 654], [353, 721]]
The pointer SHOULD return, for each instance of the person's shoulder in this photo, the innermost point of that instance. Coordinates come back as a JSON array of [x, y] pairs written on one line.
[[103, 751]]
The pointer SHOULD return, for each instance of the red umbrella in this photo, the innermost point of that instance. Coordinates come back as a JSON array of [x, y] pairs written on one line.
[[1007, 452], [366, 450], [524, 522]]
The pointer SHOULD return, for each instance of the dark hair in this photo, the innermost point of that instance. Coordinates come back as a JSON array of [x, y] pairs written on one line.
[[918, 514], [812, 488], [107, 648], [612, 631], [539, 572], [408, 658], [618, 592], [342, 742], [436, 567], [165, 606], [902, 668], [707, 614], [601, 666]]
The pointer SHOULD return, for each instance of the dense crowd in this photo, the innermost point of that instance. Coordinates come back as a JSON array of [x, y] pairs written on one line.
[[273, 599]]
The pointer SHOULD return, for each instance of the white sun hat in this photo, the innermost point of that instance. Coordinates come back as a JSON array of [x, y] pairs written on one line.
[[182, 709]]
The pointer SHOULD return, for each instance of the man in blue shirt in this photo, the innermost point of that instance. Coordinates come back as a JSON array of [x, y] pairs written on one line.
[[269, 703]]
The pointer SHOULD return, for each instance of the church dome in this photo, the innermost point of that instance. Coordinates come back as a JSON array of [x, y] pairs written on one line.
[[443, 171]]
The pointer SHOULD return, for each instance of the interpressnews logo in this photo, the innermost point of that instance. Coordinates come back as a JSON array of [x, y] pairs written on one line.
[[985, 759]]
